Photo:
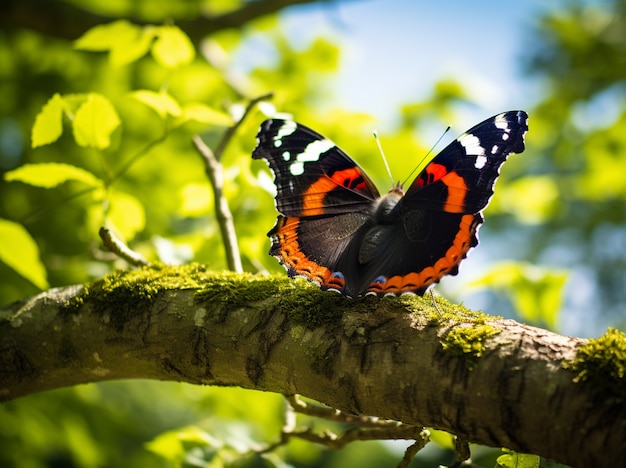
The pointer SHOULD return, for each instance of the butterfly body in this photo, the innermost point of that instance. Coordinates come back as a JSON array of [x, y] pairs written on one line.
[[336, 230]]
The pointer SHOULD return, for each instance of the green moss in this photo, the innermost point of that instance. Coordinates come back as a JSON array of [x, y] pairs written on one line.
[[236, 290], [311, 306], [468, 339], [603, 362], [124, 292], [303, 302], [468, 329]]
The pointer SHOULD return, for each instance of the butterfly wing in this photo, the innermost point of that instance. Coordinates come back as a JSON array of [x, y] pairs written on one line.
[[461, 178], [313, 176], [323, 198], [438, 218]]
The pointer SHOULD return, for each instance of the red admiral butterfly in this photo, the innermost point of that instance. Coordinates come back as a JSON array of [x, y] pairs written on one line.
[[336, 230]]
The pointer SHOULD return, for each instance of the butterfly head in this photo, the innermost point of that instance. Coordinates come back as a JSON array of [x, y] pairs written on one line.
[[385, 205]]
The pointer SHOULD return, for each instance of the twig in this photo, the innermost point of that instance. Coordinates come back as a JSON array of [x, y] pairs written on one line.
[[412, 449], [120, 249], [215, 172], [230, 132], [222, 211], [462, 449], [366, 428], [333, 414]]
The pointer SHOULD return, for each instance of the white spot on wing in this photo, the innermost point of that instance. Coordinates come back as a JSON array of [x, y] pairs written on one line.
[[296, 168], [311, 153], [502, 123], [472, 145], [480, 162], [286, 129]]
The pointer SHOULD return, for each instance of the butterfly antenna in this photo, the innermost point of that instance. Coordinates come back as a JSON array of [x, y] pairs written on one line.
[[419, 164], [382, 153]]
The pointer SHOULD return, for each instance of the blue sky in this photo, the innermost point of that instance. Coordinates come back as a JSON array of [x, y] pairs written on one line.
[[393, 51]]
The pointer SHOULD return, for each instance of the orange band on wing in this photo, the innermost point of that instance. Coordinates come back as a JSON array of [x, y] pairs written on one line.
[[286, 249], [457, 189], [421, 280], [313, 197]]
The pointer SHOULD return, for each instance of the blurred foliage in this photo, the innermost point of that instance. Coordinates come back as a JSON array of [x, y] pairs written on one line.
[[578, 137], [98, 131]]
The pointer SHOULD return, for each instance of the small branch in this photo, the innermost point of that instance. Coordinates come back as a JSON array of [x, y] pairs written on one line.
[[337, 442], [366, 428], [215, 172], [332, 414], [222, 211], [411, 451], [120, 249], [230, 132], [462, 449]]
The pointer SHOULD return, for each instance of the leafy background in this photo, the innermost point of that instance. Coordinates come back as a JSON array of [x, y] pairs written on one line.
[[96, 127]]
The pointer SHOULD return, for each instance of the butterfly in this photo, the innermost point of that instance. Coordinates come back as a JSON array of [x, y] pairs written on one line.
[[336, 230]]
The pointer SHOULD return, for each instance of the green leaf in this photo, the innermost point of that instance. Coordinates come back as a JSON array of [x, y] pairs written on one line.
[[106, 36], [19, 251], [132, 48], [174, 445], [204, 114], [537, 293], [127, 214], [48, 175], [536, 209], [162, 102], [172, 47], [518, 460], [95, 121], [125, 42], [196, 200], [49, 122]]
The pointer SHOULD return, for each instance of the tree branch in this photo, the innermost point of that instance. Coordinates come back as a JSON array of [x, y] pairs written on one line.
[[66, 20], [485, 379]]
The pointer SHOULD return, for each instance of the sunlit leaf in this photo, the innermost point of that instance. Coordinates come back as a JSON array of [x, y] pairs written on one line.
[[48, 125], [532, 199], [442, 438], [95, 121], [168, 445], [125, 41], [106, 36], [127, 214], [174, 445], [48, 175], [323, 55], [537, 293], [162, 103], [132, 48], [19, 251], [205, 114], [196, 200], [172, 47], [518, 460]]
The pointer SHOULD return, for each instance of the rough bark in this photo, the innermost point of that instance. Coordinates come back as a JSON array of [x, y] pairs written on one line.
[[488, 380]]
